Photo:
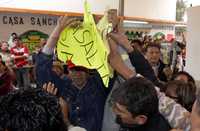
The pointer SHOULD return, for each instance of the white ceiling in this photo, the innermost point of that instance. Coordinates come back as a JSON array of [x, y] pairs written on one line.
[[97, 6]]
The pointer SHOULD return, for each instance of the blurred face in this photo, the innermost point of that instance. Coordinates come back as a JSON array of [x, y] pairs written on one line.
[[112, 17], [195, 118], [43, 42], [57, 70], [153, 55], [79, 78], [16, 42], [126, 119], [182, 77], [4, 46]]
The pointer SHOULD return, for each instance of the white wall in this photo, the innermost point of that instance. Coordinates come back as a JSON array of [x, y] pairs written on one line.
[[6, 26], [193, 42], [193, 2], [154, 9], [98, 6]]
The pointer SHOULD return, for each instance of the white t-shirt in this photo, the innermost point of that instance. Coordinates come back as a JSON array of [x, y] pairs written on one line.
[[76, 128]]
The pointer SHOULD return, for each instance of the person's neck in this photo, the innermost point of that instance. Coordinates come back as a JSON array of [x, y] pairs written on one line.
[[3, 52], [79, 87], [18, 45], [154, 64]]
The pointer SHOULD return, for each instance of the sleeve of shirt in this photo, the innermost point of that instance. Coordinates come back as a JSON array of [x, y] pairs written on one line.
[[142, 66], [12, 53], [44, 74], [76, 129], [174, 113], [99, 82], [26, 51], [47, 50]]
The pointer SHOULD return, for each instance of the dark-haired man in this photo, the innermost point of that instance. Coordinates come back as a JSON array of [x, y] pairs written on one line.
[[34, 110], [153, 54], [20, 54], [31, 110], [83, 91], [136, 106]]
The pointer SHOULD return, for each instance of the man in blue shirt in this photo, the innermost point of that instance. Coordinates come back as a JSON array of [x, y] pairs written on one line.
[[84, 91]]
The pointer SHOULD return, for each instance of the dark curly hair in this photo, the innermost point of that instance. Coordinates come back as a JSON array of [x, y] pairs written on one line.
[[31, 110], [138, 95]]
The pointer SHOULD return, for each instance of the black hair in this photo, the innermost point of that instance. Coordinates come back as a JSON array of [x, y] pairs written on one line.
[[138, 95], [31, 110], [150, 45], [190, 78], [16, 38], [14, 34], [139, 42], [186, 93]]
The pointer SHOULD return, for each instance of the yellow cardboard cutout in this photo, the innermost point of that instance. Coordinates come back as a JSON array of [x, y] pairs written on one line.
[[85, 47]]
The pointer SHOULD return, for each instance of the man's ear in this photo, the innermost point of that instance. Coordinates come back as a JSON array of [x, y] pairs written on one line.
[[141, 119]]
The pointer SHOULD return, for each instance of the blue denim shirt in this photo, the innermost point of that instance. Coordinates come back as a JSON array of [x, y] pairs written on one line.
[[86, 106]]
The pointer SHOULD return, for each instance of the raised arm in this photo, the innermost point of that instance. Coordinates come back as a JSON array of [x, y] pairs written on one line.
[[137, 59], [44, 59], [116, 61], [173, 112], [63, 22]]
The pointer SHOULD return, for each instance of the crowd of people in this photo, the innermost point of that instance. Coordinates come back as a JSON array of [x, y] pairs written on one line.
[[143, 95]]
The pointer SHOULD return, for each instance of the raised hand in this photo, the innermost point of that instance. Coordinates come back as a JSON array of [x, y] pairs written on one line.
[[65, 21], [50, 88], [122, 40]]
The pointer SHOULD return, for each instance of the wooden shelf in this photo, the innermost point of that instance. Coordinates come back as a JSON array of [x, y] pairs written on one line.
[[60, 13]]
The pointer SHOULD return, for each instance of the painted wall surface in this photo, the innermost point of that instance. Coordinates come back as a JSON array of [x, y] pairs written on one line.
[[21, 23], [193, 43], [98, 6], [154, 9]]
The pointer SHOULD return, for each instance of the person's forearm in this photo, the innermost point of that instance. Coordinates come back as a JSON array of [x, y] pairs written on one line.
[[117, 63], [142, 66], [19, 57], [128, 47], [53, 39]]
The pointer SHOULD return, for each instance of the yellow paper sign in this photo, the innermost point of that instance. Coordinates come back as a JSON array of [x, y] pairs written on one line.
[[84, 46]]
